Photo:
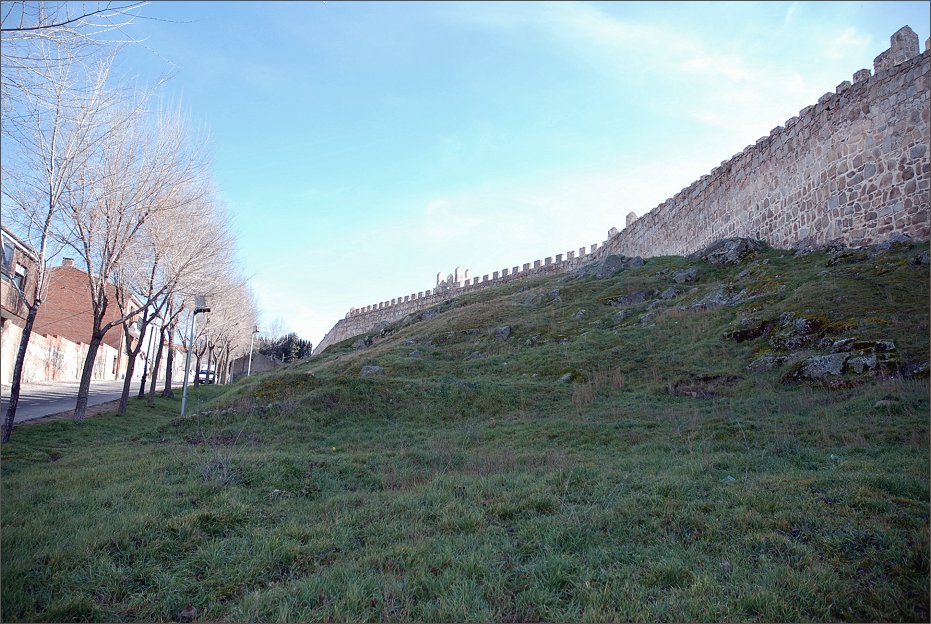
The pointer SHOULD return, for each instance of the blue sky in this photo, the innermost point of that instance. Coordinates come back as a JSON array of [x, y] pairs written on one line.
[[363, 147]]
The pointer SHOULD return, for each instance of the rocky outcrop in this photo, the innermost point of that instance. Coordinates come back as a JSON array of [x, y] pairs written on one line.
[[729, 251], [611, 265], [371, 371]]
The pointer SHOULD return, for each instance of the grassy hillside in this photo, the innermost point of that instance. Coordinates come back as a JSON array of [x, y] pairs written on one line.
[[557, 449]]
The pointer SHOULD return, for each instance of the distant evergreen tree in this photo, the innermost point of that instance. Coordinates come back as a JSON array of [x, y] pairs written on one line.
[[288, 348]]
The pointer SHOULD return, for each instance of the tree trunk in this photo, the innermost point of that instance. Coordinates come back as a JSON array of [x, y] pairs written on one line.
[[154, 372], [197, 370], [226, 365], [148, 356], [127, 384], [221, 368], [145, 376], [167, 392], [132, 354], [80, 410], [18, 372]]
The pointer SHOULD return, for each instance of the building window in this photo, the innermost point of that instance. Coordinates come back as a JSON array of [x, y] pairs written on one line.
[[7, 258], [19, 278]]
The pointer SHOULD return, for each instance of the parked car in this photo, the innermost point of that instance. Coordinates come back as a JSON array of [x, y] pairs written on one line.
[[206, 376]]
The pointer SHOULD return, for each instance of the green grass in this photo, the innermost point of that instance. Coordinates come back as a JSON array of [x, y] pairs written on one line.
[[483, 489]]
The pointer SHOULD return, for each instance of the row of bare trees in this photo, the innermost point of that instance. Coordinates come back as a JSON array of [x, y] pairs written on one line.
[[105, 174]]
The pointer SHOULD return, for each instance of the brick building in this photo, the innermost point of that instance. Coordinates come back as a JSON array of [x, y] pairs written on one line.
[[66, 316], [62, 330], [17, 274]]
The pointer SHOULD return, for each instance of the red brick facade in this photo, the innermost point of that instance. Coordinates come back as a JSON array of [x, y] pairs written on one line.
[[62, 330], [66, 311], [18, 264]]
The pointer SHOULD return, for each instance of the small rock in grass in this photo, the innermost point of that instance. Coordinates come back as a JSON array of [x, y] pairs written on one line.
[[647, 318], [765, 363], [727, 567], [369, 371], [861, 364], [909, 371], [683, 277], [842, 345], [821, 366], [187, 614]]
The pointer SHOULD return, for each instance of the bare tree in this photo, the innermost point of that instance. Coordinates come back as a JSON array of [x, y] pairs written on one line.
[[275, 331], [77, 25], [169, 331], [232, 323], [134, 174], [79, 31], [205, 229], [186, 240], [64, 20], [60, 109]]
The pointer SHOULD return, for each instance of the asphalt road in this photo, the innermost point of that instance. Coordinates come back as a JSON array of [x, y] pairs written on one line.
[[38, 400]]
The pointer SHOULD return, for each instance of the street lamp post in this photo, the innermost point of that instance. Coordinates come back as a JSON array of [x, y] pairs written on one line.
[[251, 343], [200, 305]]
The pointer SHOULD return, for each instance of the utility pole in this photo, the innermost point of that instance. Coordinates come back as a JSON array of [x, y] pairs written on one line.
[[251, 343]]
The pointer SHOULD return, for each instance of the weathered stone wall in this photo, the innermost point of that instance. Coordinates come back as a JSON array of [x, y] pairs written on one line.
[[365, 320], [854, 166]]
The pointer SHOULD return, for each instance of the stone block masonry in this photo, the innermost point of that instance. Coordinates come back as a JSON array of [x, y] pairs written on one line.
[[855, 166]]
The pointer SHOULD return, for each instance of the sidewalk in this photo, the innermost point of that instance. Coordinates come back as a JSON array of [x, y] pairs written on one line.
[[39, 400]]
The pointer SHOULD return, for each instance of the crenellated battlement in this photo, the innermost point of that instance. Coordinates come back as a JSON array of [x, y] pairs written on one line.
[[461, 282], [361, 320], [854, 166]]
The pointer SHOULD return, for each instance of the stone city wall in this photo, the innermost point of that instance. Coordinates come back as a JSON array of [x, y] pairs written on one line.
[[854, 166], [362, 320]]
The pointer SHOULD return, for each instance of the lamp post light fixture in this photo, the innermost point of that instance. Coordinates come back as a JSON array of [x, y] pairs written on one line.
[[251, 343], [200, 305]]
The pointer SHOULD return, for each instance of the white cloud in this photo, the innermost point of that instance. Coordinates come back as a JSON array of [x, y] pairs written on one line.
[[717, 66], [728, 88], [443, 221], [850, 42]]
